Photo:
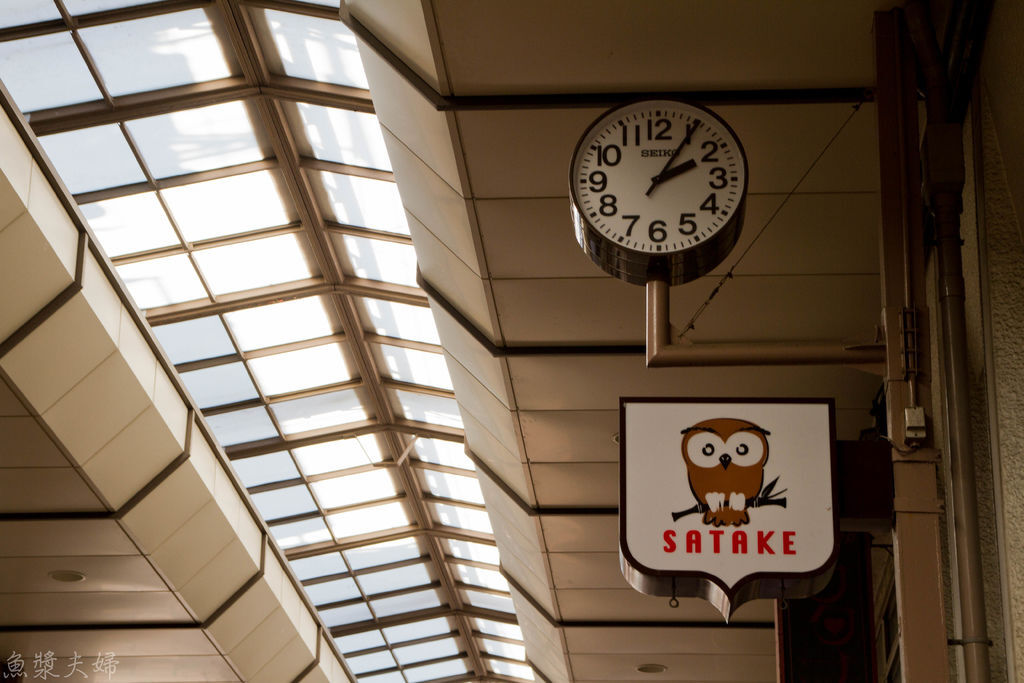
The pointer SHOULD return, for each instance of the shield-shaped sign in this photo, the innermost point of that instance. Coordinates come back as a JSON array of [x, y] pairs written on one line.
[[727, 499]]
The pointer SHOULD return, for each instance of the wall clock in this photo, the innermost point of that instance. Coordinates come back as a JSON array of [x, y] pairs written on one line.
[[657, 188]]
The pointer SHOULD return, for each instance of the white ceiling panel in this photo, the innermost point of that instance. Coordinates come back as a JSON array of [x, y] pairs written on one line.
[[581, 533], [577, 484], [626, 604], [573, 435]]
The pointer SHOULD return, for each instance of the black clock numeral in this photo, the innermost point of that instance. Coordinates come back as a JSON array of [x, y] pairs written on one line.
[[718, 181], [632, 218], [664, 126], [710, 204], [656, 129], [656, 231], [711, 148], [608, 155], [598, 181], [608, 207], [687, 225]]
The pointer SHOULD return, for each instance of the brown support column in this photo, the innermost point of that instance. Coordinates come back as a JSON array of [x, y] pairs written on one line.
[[916, 532]]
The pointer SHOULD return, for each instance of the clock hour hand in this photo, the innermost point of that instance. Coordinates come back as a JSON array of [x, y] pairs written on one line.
[[670, 173], [691, 128]]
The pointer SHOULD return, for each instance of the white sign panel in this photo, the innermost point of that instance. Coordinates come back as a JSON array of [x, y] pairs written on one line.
[[727, 493]]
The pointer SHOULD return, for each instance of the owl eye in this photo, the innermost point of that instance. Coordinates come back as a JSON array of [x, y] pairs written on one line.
[[708, 449], [746, 448], [702, 447], [742, 449]]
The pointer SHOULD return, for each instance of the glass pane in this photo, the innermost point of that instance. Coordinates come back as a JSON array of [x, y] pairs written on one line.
[[410, 602], [365, 202], [219, 385], [162, 281], [93, 158], [426, 408], [288, 321], [454, 486], [360, 641], [352, 489], [394, 579], [226, 206], [462, 518], [316, 49], [450, 453], [332, 591], [403, 321], [241, 426], [489, 601], [392, 677], [196, 339], [452, 667], [510, 669], [20, 12], [485, 578], [315, 412], [478, 552], [368, 520], [381, 260], [337, 616], [303, 369], [338, 455], [371, 662], [418, 629], [88, 6], [248, 265], [46, 71], [415, 366], [196, 140], [498, 628], [318, 565], [286, 502], [130, 224], [264, 469], [410, 654], [295, 534], [502, 649], [348, 137], [156, 52], [388, 552]]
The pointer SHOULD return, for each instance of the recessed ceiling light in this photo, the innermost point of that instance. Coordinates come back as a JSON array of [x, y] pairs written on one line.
[[67, 576], [652, 668]]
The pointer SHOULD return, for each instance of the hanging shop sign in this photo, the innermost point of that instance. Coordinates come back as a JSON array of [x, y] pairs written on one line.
[[727, 500]]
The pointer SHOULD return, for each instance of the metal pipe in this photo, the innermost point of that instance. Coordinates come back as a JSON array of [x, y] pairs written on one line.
[[944, 190], [662, 353]]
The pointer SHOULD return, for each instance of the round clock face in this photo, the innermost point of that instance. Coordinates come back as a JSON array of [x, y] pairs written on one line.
[[654, 180]]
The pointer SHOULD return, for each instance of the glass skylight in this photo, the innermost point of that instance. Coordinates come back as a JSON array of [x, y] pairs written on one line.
[[348, 137], [305, 532], [402, 321], [129, 224], [451, 667], [264, 469], [316, 49], [489, 601], [219, 385], [360, 641], [19, 12], [338, 455], [318, 565], [195, 339], [387, 552], [349, 614], [240, 426], [462, 517], [368, 520], [435, 649], [351, 489], [26, 68], [371, 662], [467, 550], [288, 321], [156, 52], [327, 592], [454, 486], [418, 630], [315, 412], [197, 140], [510, 669], [449, 453], [311, 367], [394, 579], [502, 649], [427, 408], [258, 263], [285, 502], [365, 202], [477, 576], [162, 281], [381, 260], [226, 206], [415, 366], [408, 602], [93, 158]]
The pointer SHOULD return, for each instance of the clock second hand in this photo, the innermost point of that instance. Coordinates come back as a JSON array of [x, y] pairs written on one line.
[[664, 174]]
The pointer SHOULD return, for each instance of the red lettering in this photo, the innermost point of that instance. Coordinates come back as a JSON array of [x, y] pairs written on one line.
[[693, 541], [670, 544], [739, 542], [787, 543], [717, 535], [762, 543]]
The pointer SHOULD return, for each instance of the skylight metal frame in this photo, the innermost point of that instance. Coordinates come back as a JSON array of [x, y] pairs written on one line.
[[269, 98]]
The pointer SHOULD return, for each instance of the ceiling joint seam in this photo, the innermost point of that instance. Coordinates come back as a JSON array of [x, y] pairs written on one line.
[[41, 316]]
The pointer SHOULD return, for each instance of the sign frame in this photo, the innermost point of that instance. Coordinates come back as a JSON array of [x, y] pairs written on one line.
[[703, 584]]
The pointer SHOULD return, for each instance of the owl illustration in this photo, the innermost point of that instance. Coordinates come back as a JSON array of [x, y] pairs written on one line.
[[725, 460]]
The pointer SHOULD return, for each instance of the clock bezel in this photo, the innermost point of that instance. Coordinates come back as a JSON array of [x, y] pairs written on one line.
[[638, 266]]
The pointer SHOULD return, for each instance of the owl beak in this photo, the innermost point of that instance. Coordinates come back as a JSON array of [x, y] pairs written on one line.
[[725, 459]]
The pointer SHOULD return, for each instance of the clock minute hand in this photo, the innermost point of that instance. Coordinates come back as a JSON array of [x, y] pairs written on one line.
[[673, 172], [661, 177]]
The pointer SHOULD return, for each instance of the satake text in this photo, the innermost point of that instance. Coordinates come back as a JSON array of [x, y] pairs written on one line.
[[739, 542]]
